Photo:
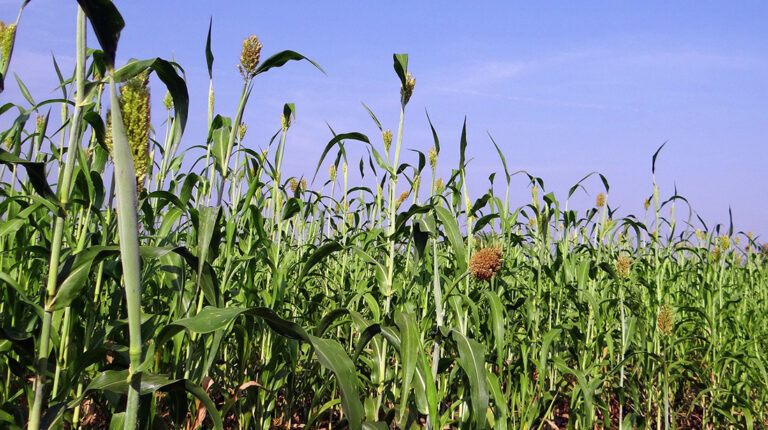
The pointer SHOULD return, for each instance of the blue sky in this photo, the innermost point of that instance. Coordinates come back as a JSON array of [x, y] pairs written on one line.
[[564, 87]]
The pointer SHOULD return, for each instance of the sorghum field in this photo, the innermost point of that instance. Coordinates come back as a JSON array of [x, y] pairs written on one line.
[[136, 292]]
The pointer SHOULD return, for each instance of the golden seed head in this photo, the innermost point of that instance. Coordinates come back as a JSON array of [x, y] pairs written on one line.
[[751, 236], [135, 107], [433, 157], [7, 37], [241, 131], [725, 241], [600, 201], [646, 204], [285, 122], [485, 263], [535, 195], [666, 320], [294, 185], [716, 253], [168, 101], [623, 264], [406, 91], [387, 136], [404, 195], [699, 234], [439, 185], [249, 57], [39, 124], [303, 184], [332, 172]]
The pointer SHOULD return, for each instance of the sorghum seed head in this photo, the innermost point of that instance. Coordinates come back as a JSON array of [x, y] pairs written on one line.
[[646, 204], [168, 101], [135, 106], [241, 131], [294, 185], [439, 185], [387, 136], [600, 201], [303, 184], [249, 57], [725, 241], [716, 253], [332, 172], [406, 91], [404, 195], [699, 234], [7, 37], [485, 263], [433, 157], [39, 124], [285, 122], [666, 320], [623, 264], [344, 170]]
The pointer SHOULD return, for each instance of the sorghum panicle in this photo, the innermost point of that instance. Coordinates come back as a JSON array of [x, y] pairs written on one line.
[[249, 57], [433, 158], [485, 263], [406, 91], [386, 135], [666, 320], [623, 264], [439, 185], [7, 38], [600, 201]]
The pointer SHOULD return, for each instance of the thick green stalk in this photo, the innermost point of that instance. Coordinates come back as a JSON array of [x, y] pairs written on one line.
[[232, 134], [58, 232], [127, 230]]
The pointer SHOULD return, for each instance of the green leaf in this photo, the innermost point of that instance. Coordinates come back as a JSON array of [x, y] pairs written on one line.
[[208, 51], [503, 160], [497, 323], [401, 66], [317, 256], [116, 381], [336, 139], [166, 72], [36, 173], [107, 23], [472, 361], [281, 58], [332, 356], [454, 236], [24, 90], [463, 145], [409, 352], [500, 411], [329, 352]]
